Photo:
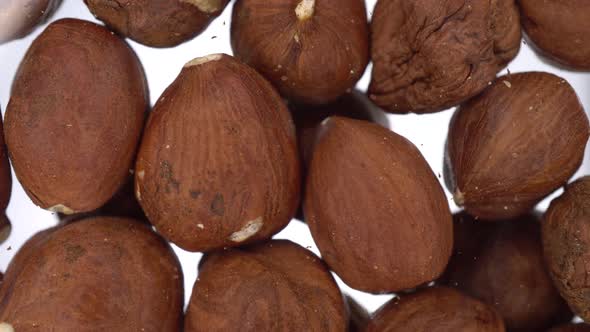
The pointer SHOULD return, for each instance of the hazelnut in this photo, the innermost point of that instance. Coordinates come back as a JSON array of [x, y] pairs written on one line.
[[566, 241], [157, 23], [436, 309], [514, 144], [430, 55], [375, 209], [501, 263], [109, 274], [275, 286], [559, 29], [19, 17], [312, 51], [218, 164], [580, 327], [75, 116]]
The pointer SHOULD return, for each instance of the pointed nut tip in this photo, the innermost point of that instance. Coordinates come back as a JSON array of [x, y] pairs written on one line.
[[203, 59]]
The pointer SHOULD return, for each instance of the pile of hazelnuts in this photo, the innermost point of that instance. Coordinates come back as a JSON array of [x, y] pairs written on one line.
[[237, 146]]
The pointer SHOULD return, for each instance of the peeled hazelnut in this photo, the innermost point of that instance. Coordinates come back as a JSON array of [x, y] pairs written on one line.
[[157, 23], [566, 244], [559, 29], [358, 315], [313, 51], [101, 274], [75, 116], [430, 55], [437, 309], [514, 144], [218, 164], [502, 265], [275, 286], [581, 327], [375, 209], [19, 17]]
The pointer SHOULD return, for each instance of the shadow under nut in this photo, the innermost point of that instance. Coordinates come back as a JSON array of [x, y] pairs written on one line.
[[75, 116], [157, 23], [429, 55]]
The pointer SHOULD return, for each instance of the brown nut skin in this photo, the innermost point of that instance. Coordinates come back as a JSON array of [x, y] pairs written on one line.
[[19, 17], [313, 51], [501, 264], [429, 55], [436, 309], [514, 144], [274, 286], [560, 30], [107, 274], [157, 23], [218, 164], [75, 116], [581, 327], [566, 241], [358, 315], [375, 209]]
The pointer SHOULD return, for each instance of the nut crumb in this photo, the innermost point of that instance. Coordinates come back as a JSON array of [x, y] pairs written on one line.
[[508, 84], [305, 9]]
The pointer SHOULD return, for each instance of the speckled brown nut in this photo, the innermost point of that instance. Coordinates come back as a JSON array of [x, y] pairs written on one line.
[[437, 309], [106, 274], [313, 51], [566, 244], [5, 187], [581, 327], [358, 315], [559, 29], [19, 17], [513, 145], [75, 116], [501, 264], [429, 55], [157, 23], [218, 164], [375, 209], [275, 286]]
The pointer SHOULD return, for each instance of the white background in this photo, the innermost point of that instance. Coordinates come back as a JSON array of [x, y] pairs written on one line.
[[427, 132]]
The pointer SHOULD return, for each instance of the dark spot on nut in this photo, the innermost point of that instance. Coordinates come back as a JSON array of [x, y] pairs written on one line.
[[218, 205], [73, 252], [194, 194]]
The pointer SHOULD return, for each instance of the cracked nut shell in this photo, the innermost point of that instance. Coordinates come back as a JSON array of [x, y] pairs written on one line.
[[218, 164], [375, 209], [566, 244], [436, 309], [19, 17], [275, 286], [514, 144], [502, 264], [108, 274], [75, 116], [559, 29], [429, 55], [313, 51], [157, 23]]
